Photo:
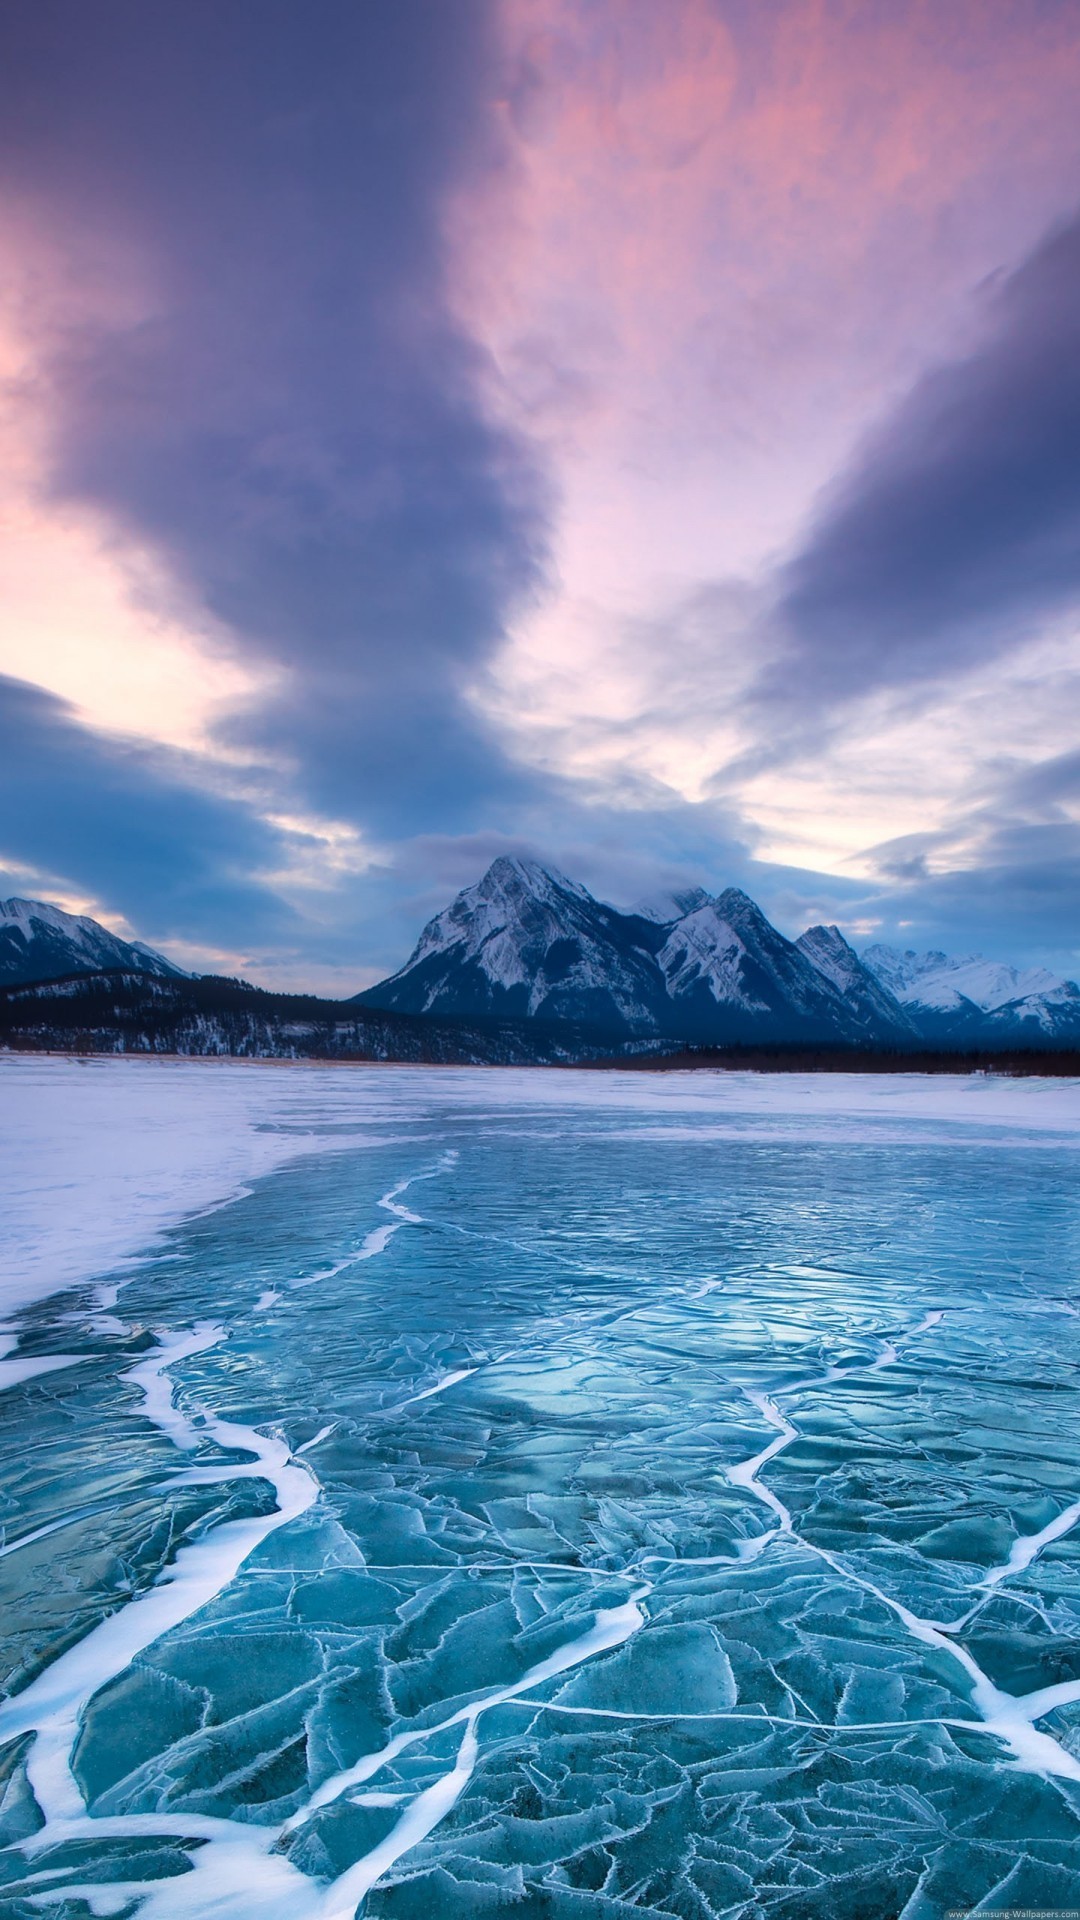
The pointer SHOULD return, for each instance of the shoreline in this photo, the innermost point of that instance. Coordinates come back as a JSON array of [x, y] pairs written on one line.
[[1009, 1065]]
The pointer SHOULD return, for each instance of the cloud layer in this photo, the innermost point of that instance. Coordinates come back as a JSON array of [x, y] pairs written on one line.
[[642, 435]]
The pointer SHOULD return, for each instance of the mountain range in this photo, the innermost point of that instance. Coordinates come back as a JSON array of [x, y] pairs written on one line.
[[533, 966], [526, 942]]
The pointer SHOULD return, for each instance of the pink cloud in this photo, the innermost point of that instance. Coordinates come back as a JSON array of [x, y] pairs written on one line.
[[737, 235]]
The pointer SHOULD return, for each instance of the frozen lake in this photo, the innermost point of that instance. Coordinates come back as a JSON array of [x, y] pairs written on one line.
[[577, 1496]]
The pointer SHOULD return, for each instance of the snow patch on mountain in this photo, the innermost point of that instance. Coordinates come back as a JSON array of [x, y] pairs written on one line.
[[666, 908], [985, 999], [727, 957], [527, 940], [705, 950]]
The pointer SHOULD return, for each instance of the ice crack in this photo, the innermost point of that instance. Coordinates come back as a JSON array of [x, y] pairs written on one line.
[[1009, 1716]]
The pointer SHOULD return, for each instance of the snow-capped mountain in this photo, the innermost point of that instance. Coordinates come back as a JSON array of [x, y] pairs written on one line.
[[666, 908], [977, 999], [40, 942], [527, 940], [933, 980]]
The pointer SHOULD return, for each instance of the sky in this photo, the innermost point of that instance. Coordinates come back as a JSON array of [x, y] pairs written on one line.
[[646, 437]]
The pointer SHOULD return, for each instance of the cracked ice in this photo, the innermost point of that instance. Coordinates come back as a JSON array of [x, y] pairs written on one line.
[[568, 1495]]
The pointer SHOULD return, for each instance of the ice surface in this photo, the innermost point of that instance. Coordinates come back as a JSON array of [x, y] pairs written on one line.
[[568, 1495]]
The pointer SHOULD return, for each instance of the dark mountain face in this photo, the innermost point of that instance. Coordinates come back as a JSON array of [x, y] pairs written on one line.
[[869, 1002], [40, 942], [122, 1012]]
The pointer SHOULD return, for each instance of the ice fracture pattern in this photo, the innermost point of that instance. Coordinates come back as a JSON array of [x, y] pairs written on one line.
[[561, 1496]]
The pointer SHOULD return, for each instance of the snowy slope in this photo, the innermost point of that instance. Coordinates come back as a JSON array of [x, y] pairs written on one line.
[[978, 997], [527, 941], [934, 980], [41, 942], [1037, 1017], [868, 999], [666, 908]]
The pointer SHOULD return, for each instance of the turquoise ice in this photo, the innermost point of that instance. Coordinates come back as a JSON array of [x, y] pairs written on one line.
[[563, 1495]]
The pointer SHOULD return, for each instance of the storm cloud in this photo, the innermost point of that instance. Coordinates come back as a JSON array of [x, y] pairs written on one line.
[[293, 421], [393, 475], [135, 826], [957, 527]]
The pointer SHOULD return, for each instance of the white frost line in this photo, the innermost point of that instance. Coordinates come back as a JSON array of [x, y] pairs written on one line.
[[239, 1875], [51, 1526], [1029, 1545], [448, 1380], [51, 1705], [1025, 1549], [745, 1473], [28, 1366], [364, 1252], [421, 1815], [610, 1628], [1008, 1715], [124, 1826], [379, 1238], [151, 1376], [237, 1872], [759, 1719]]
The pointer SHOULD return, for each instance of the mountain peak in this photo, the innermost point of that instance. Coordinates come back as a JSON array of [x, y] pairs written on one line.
[[870, 1000], [829, 943], [738, 910], [527, 940], [39, 941], [513, 873]]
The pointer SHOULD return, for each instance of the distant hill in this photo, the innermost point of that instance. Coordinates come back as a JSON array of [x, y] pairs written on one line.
[[125, 1012], [40, 942], [977, 999]]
